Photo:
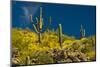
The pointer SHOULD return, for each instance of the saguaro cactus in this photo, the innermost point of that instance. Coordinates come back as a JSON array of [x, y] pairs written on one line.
[[39, 25], [47, 27], [60, 34], [82, 32]]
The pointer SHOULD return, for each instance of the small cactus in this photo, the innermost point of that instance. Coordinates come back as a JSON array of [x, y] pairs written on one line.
[[60, 34], [27, 60], [82, 32]]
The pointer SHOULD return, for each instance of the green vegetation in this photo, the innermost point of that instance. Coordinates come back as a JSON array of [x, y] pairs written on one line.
[[26, 49]]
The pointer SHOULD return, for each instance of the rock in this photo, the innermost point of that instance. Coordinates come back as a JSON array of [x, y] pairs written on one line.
[[15, 61], [82, 57], [34, 60], [76, 59], [69, 60]]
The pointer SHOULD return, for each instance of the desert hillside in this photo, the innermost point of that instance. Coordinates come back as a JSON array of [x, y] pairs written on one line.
[[26, 49]]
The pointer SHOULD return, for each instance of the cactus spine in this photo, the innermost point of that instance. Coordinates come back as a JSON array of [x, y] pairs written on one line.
[[60, 34], [39, 25], [82, 32]]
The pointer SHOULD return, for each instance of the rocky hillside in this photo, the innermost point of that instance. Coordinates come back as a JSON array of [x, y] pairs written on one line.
[[26, 49]]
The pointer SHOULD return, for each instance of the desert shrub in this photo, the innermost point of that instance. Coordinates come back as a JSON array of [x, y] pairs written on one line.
[[91, 55], [49, 50], [45, 58], [76, 45]]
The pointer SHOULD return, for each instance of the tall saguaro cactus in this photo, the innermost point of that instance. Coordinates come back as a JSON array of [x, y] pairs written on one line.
[[82, 32], [39, 25], [60, 34]]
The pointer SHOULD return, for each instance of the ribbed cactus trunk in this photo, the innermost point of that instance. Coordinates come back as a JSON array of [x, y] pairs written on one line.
[[40, 25], [60, 34], [39, 37]]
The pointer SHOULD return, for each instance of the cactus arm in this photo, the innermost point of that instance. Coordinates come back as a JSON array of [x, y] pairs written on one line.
[[84, 32], [37, 23], [42, 22], [40, 18], [31, 20], [40, 12], [37, 20], [35, 29]]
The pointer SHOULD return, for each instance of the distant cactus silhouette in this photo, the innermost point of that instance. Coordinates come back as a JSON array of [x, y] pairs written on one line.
[[60, 34], [50, 20], [82, 32], [47, 27]]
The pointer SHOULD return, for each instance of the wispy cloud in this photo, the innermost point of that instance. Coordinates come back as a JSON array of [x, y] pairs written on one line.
[[29, 10]]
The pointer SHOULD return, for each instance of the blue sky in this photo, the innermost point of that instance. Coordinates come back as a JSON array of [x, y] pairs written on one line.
[[70, 16]]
